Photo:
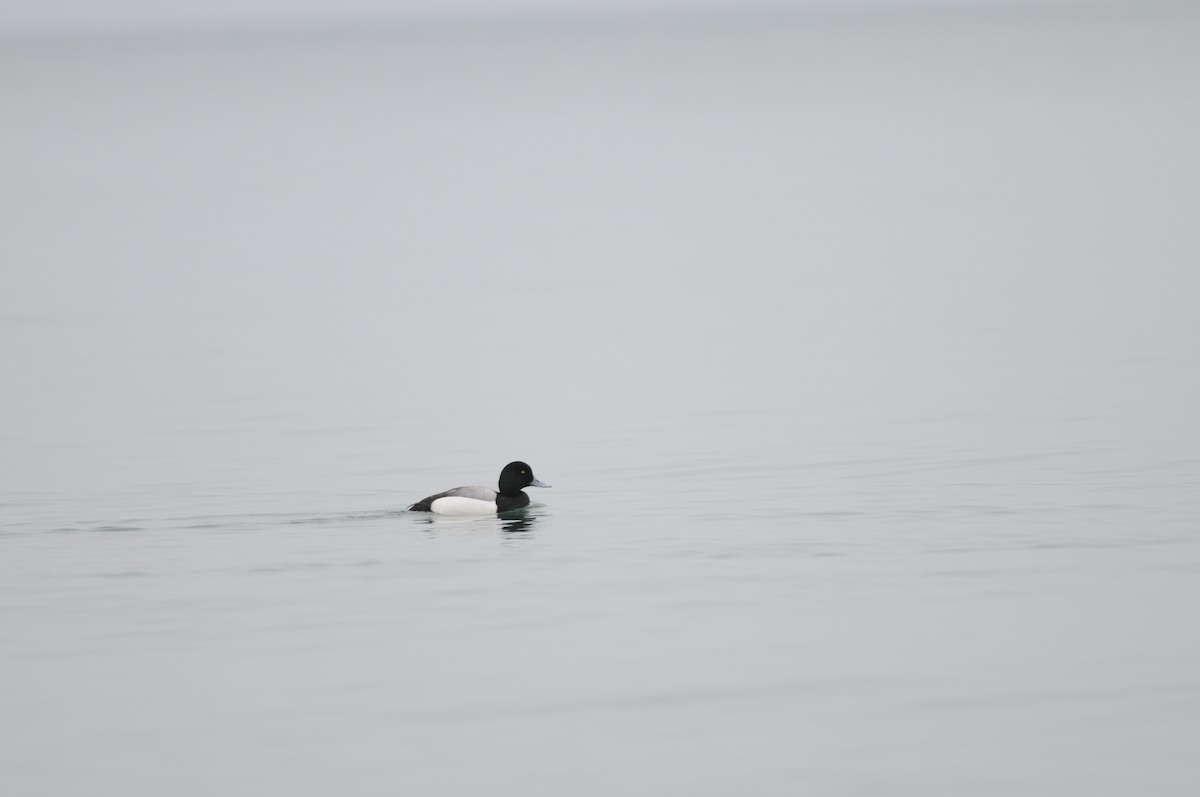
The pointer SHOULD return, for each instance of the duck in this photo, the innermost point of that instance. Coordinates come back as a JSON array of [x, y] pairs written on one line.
[[515, 477]]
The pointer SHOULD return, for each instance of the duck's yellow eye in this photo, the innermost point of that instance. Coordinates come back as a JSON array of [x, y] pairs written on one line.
[[522, 473]]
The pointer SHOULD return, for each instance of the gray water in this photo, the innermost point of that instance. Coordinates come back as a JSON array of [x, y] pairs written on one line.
[[861, 352]]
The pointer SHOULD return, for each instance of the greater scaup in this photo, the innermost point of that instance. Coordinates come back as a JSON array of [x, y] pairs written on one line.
[[484, 500]]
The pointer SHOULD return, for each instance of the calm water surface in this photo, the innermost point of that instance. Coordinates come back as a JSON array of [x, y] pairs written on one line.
[[861, 354]]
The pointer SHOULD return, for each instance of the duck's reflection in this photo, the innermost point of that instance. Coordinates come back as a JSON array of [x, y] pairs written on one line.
[[517, 522]]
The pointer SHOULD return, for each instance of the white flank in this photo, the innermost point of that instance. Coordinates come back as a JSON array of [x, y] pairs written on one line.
[[459, 505]]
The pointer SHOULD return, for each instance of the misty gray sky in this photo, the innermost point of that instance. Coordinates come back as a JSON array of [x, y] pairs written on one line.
[[34, 16]]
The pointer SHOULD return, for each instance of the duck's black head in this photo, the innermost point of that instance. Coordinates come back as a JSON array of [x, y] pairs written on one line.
[[515, 477]]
